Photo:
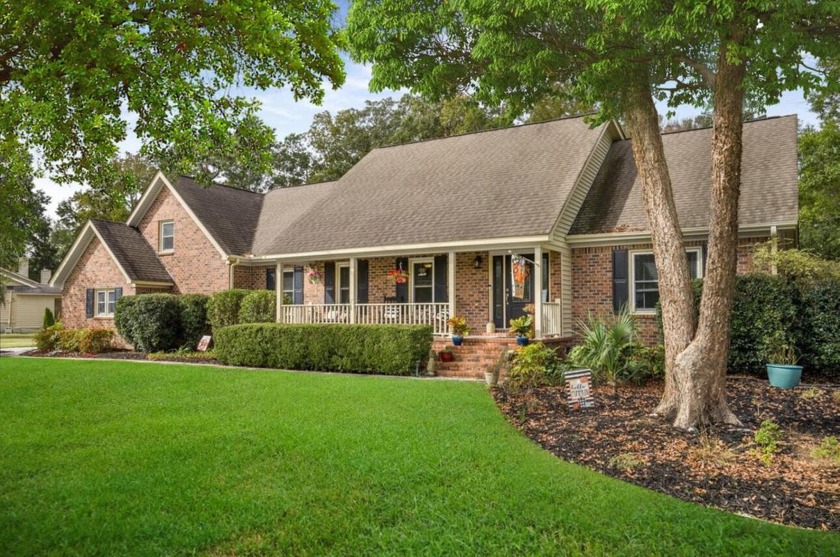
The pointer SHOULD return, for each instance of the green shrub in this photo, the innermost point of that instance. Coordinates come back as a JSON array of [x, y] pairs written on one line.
[[156, 322], [223, 308], [49, 319], [70, 340], [49, 338], [815, 333], [94, 340], [386, 349], [258, 306], [767, 438], [646, 362], [125, 318], [534, 365], [607, 344], [193, 317], [829, 448]]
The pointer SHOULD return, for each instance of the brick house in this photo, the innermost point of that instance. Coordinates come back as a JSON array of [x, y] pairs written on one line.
[[446, 214]]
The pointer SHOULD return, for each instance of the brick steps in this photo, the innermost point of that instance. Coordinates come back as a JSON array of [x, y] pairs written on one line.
[[477, 354]]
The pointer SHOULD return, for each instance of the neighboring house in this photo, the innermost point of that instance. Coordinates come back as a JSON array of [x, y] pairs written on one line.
[[449, 213], [25, 300]]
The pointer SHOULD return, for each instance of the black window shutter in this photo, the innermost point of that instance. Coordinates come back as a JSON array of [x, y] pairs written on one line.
[[297, 285], [271, 279], [441, 278], [704, 253], [362, 281], [621, 286], [329, 282], [89, 302], [402, 289]]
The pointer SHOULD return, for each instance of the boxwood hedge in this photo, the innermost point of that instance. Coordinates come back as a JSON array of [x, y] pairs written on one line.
[[258, 306], [223, 308], [385, 349]]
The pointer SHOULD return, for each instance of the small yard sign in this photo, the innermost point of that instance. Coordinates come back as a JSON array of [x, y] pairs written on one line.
[[580, 394], [204, 343]]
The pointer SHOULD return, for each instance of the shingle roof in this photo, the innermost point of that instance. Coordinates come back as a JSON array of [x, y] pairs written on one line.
[[504, 183], [132, 251], [768, 180], [229, 214]]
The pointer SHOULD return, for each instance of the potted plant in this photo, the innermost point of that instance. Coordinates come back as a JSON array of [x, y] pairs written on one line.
[[458, 326], [313, 276], [397, 276], [446, 355], [521, 327], [782, 370]]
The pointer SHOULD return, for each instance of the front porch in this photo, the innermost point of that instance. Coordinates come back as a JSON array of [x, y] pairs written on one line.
[[427, 289]]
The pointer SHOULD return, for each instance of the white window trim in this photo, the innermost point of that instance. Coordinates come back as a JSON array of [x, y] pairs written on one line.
[[631, 276], [411, 263], [104, 291], [161, 224], [283, 291], [338, 284]]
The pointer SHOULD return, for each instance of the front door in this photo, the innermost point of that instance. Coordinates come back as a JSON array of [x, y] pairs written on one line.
[[505, 306]]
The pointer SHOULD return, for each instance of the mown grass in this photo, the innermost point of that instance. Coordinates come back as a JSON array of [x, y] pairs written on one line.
[[16, 340], [124, 458]]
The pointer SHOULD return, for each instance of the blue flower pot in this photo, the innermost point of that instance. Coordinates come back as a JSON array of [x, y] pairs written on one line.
[[784, 376], [456, 340], [522, 341]]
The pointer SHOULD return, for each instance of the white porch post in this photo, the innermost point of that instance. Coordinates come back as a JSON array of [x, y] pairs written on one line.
[[538, 289], [353, 288], [278, 288], [450, 283]]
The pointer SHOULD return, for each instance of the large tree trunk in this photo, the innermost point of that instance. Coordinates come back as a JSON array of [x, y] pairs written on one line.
[[695, 353]]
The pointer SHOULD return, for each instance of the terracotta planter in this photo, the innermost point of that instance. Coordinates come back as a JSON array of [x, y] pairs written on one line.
[[446, 356]]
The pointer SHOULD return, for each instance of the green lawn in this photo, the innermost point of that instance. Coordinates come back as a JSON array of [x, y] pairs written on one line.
[[17, 340], [111, 458]]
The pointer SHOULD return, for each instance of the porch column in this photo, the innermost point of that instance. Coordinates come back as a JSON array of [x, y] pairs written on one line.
[[278, 290], [353, 287], [538, 288], [450, 282]]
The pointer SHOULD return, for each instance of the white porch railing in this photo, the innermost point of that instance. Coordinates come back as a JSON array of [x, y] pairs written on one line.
[[552, 319], [435, 315]]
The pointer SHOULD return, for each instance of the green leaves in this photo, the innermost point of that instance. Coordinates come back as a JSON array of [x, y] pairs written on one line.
[[68, 70]]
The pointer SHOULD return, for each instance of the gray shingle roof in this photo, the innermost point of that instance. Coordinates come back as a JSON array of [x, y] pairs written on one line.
[[504, 183], [768, 180], [132, 251], [229, 214]]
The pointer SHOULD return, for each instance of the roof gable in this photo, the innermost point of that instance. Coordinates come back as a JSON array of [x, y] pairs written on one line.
[[769, 193], [18, 278]]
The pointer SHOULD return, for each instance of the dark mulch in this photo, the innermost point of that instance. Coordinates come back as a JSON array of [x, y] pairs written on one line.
[[126, 355], [715, 467]]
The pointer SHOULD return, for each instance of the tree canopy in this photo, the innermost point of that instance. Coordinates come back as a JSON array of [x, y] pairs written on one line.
[[73, 74]]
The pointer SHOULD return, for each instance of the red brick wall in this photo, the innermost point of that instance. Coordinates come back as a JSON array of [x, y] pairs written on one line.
[[195, 264], [555, 281], [472, 290], [95, 269], [250, 278], [592, 282]]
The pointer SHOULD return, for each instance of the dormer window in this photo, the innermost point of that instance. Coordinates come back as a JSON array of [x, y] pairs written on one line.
[[167, 236]]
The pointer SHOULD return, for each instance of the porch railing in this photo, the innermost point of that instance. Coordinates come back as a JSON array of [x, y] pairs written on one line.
[[552, 318], [435, 315]]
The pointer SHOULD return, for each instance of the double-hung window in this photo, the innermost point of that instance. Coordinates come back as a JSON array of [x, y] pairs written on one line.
[[167, 236], [645, 280], [106, 301]]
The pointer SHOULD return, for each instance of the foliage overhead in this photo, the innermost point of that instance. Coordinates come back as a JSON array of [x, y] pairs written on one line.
[[71, 71], [819, 190]]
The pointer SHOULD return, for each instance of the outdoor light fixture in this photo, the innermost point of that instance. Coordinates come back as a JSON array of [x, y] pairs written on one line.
[[477, 262]]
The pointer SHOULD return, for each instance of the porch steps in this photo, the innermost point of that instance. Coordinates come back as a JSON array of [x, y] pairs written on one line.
[[473, 357], [477, 354]]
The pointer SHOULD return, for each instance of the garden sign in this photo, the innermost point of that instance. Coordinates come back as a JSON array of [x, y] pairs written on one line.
[[579, 382], [204, 343]]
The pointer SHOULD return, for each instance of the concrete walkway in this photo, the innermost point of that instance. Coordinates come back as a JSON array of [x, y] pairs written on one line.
[[15, 351]]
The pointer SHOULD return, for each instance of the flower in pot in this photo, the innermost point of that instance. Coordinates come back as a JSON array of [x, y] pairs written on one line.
[[313, 276], [397, 276], [458, 326], [782, 370], [521, 327]]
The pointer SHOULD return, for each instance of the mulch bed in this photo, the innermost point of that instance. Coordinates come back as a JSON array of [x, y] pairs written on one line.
[[715, 467], [125, 355]]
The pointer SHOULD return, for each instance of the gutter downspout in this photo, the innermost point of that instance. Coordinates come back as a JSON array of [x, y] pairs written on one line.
[[232, 262]]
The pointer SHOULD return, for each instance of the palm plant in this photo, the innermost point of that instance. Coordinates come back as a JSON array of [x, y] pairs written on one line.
[[605, 346]]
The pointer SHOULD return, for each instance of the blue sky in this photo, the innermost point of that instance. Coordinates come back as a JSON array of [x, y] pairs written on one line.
[[280, 111]]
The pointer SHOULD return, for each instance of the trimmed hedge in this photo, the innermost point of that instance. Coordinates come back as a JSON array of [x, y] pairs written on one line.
[[157, 320], [125, 316], [259, 306], [194, 323], [223, 308], [385, 349], [805, 311]]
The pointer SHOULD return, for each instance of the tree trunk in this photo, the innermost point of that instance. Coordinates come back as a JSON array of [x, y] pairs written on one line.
[[695, 353], [675, 294], [699, 373]]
